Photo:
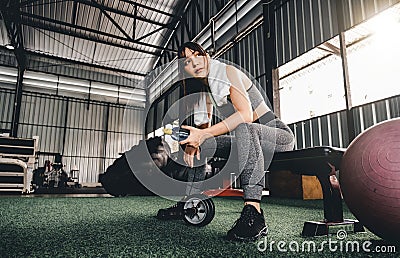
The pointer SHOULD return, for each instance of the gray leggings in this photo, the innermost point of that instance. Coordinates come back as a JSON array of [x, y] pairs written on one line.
[[252, 146]]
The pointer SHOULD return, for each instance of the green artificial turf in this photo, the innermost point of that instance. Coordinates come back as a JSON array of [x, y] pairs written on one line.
[[126, 227]]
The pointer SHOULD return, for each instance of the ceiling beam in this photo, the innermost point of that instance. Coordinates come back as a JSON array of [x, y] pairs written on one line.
[[333, 49], [94, 65], [182, 8], [151, 33], [29, 2], [104, 9], [148, 8], [42, 26], [51, 25], [115, 23], [123, 13], [199, 14]]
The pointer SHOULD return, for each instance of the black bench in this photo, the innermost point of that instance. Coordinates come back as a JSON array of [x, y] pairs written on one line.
[[321, 162], [17, 160]]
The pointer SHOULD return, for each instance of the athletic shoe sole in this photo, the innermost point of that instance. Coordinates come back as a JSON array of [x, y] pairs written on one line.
[[263, 232]]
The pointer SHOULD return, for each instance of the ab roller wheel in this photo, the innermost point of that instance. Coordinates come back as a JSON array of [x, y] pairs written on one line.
[[198, 210]]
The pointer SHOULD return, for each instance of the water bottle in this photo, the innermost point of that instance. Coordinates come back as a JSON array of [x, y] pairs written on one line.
[[177, 133]]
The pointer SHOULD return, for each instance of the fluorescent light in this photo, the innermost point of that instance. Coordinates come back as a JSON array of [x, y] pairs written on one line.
[[9, 46]]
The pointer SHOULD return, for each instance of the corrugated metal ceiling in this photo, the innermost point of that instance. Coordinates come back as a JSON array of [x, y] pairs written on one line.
[[126, 35]]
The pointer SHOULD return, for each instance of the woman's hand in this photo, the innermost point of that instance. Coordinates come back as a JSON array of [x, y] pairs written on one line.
[[189, 154], [193, 142], [196, 136]]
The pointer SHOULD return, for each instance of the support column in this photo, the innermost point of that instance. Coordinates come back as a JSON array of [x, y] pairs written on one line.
[[345, 71], [17, 102], [347, 90], [270, 54], [276, 95], [11, 16], [66, 114], [105, 136]]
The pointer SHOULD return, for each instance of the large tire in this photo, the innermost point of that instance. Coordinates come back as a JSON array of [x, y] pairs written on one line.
[[119, 178]]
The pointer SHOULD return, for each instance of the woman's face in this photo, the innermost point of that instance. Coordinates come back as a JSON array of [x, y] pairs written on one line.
[[194, 64]]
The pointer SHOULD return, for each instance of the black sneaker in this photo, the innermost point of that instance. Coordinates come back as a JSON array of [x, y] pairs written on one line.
[[249, 227], [173, 212]]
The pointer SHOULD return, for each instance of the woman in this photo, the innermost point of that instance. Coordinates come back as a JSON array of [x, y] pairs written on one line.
[[257, 131]]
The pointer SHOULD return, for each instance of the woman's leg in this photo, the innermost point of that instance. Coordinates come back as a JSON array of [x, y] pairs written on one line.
[[196, 176], [251, 161], [219, 146], [252, 146], [257, 144]]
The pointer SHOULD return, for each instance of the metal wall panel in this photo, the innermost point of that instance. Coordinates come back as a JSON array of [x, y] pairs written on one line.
[[304, 24], [84, 138], [41, 116], [249, 54], [367, 116], [343, 129], [331, 129], [6, 108], [159, 111], [157, 114], [114, 135], [88, 134], [307, 134], [172, 99], [381, 111], [298, 131], [150, 125], [358, 123], [132, 128], [334, 130], [7, 58], [325, 130], [119, 141], [315, 132], [4, 39], [394, 107], [101, 133]]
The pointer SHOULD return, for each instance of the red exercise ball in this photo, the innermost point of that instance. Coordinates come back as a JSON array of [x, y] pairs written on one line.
[[370, 179]]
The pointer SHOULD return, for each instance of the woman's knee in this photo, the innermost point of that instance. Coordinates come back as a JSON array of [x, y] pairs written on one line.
[[243, 128], [285, 141]]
